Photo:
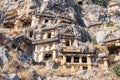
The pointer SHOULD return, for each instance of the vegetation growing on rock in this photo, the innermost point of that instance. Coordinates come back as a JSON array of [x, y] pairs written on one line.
[[117, 69], [101, 2]]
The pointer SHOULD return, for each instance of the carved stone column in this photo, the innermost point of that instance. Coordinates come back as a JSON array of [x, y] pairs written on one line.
[[80, 61], [52, 34], [41, 57], [45, 36], [72, 59], [89, 62], [63, 61], [54, 54], [63, 42], [75, 43], [105, 64], [35, 56]]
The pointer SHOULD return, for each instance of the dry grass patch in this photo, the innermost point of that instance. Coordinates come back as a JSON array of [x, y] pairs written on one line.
[[41, 72], [9, 67], [12, 66], [14, 31], [25, 75], [13, 54]]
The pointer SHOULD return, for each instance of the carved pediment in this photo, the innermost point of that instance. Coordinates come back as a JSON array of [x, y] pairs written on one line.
[[49, 13], [112, 36], [68, 31], [109, 36], [65, 15]]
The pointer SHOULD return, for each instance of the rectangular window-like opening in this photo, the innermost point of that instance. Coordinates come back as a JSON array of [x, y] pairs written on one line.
[[49, 35], [46, 20], [84, 59], [26, 23], [67, 43], [85, 67], [31, 33], [80, 2], [47, 56], [76, 59], [68, 59]]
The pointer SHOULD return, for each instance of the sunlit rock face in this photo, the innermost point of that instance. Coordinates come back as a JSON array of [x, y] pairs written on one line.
[[36, 27], [45, 36]]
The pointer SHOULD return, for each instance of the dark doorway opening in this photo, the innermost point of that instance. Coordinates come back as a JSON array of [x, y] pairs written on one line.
[[76, 59], [46, 20], [84, 59], [47, 56], [80, 2], [31, 34], [67, 43], [68, 59], [85, 67], [49, 35]]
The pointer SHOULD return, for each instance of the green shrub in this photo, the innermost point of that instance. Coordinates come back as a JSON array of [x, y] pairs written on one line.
[[101, 2], [118, 27], [93, 39], [110, 24], [117, 69]]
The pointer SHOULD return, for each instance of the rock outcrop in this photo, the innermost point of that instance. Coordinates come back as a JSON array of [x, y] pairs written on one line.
[[58, 39]]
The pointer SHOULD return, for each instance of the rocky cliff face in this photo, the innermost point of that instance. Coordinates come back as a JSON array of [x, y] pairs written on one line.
[[19, 16]]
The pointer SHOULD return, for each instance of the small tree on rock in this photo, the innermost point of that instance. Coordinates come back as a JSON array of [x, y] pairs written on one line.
[[101, 2], [117, 69]]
